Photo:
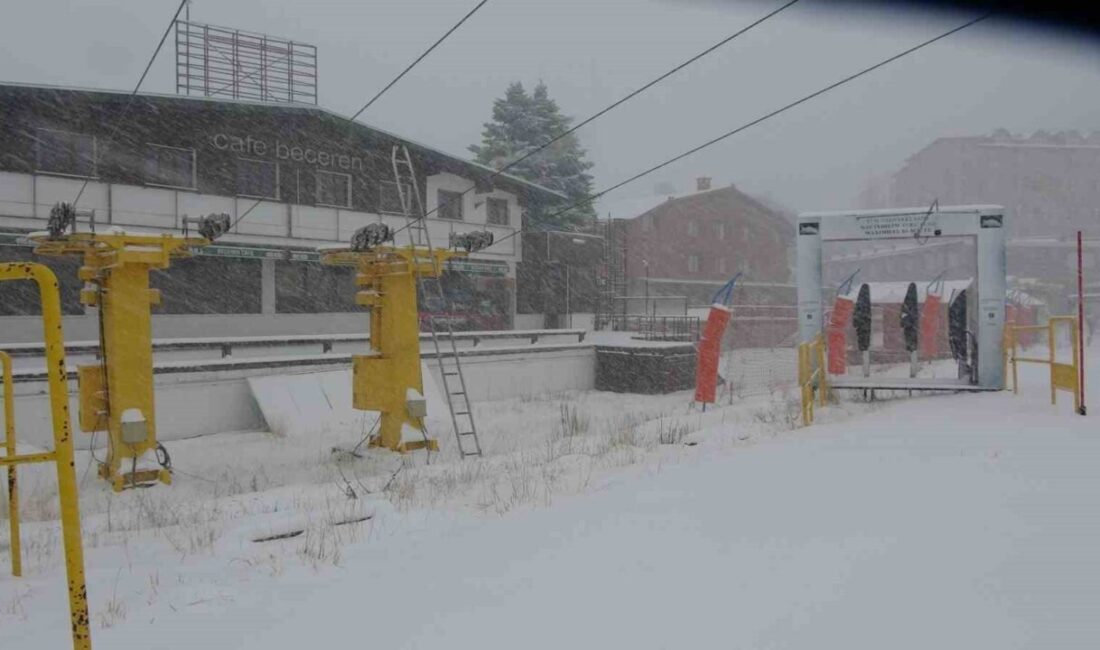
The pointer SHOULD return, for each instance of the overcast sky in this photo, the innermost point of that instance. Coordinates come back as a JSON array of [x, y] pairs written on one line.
[[591, 52]]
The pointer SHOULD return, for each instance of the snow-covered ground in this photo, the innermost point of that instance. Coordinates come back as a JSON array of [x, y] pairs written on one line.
[[603, 520]]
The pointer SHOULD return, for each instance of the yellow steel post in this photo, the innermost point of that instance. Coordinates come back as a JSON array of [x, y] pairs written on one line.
[[381, 380], [118, 394], [823, 385], [1050, 354], [63, 444], [9, 447]]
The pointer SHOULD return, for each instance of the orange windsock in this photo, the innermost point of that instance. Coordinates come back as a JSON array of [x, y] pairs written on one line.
[[710, 348], [836, 335]]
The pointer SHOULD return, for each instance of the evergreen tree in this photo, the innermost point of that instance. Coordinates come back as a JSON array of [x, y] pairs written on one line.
[[523, 122]]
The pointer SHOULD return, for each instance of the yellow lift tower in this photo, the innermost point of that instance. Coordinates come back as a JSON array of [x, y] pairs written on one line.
[[116, 394], [388, 378]]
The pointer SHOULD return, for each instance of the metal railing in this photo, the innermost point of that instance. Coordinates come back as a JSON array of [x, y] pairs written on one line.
[[658, 328], [812, 376], [1063, 376], [226, 345], [62, 454]]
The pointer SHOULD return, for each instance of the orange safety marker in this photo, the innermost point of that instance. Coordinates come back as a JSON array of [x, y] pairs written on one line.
[[930, 321], [710, 348]]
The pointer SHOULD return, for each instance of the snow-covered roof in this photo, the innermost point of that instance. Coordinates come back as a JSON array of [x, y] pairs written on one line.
[[295, 106]]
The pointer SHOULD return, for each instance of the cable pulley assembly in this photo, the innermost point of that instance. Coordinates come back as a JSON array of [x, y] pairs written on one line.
[[473, 241], [62, 218], [370, 236]]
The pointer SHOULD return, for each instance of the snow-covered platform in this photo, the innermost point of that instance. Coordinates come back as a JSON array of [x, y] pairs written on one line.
[[907, 383]]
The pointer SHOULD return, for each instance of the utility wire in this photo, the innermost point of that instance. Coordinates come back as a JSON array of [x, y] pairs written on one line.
[[392, 82], [592, 197], [419, 58], [130, 100], [622, 100]]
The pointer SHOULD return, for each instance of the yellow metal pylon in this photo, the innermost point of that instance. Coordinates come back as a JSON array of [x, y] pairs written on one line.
[[116, 394], [383, 378]]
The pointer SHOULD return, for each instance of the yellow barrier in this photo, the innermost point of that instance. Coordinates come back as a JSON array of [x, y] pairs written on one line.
[[1063, 376], [62, 453], [812, 376]]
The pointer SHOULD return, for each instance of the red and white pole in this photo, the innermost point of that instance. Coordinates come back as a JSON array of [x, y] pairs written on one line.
[[1081, 320]]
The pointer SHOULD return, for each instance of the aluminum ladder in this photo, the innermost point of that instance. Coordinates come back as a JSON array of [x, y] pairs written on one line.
[[458, 401]]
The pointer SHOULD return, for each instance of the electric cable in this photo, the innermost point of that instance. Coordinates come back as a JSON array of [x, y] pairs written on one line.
[[392, 82], [130, 99], [592, 197], [625, 98]]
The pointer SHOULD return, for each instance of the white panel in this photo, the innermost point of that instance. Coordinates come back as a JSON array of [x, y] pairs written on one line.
[[314, 223], [137, 206], [55, 189], [352, 221], [16, 194], [195, 205], [809, 278], [266, 218]]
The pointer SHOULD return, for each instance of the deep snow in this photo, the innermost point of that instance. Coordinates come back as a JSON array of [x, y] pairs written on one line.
[[947, 521]]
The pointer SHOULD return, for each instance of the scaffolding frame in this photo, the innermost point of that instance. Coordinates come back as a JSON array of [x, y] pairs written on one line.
[[214, 61]]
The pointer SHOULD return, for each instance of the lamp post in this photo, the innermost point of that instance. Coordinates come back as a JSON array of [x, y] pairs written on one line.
[[645, 309]]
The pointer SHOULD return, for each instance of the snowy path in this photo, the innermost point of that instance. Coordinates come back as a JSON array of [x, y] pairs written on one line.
[[963, 521], [957, 522]]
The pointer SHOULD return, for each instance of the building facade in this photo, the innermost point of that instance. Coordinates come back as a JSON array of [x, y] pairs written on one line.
[[292, 177], [691, 245], [1049, 184]]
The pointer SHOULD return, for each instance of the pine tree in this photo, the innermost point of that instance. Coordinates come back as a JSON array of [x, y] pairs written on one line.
[[523, 122]]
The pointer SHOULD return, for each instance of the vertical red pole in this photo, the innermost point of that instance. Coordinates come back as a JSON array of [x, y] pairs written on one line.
[[1081, 320]]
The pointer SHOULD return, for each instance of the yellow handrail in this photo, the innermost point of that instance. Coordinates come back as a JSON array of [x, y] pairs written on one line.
[[1063, 376], [62, 453]]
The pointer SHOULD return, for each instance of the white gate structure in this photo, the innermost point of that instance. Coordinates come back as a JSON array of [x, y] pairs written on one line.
[[985, 223]]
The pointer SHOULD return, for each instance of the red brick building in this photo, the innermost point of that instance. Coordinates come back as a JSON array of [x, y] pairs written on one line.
[[691, 245]]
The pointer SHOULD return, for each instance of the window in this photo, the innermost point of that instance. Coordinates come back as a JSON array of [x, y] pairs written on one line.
[[722, 265], [257, 178], [744, 233], [449, 204], [312, 287], [693, 263], [169, 166], [497, 212], [720, 230], [61, 152], [693, 228], [185, 286], [389, 198], [333, 189], [647, 223]]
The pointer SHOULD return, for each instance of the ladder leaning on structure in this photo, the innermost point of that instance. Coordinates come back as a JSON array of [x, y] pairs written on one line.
[[458, 401]]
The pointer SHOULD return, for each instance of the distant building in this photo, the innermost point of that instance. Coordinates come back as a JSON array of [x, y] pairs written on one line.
[[305, 176], [693, 244], [1049, 183]]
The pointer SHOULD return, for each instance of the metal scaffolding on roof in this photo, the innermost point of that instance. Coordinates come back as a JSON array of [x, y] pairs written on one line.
[[214, 61]]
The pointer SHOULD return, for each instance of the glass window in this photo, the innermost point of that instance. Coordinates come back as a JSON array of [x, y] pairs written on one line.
[[185, 286], [647, 223], [257, 178], [450, 205], [497, 212], [312, 288], [62, 152], [333, 189], [389, 199], [720, 230], [722, 265], [693, 228], [170, 166], [693, 263]]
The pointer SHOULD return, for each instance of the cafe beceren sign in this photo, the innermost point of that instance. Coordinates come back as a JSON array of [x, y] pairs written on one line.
[[251, 146]]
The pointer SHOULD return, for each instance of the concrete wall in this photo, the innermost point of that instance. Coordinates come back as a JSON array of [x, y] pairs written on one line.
[[28, 329], [203, 403]]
